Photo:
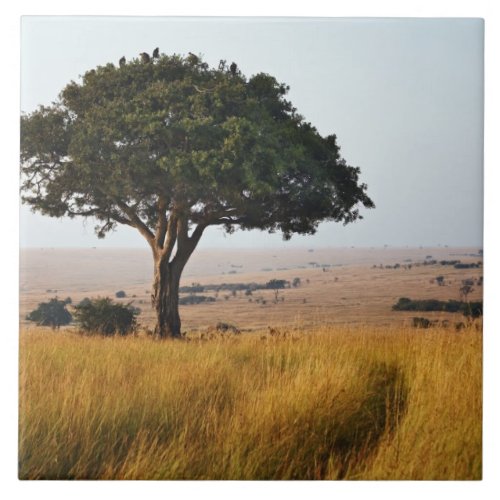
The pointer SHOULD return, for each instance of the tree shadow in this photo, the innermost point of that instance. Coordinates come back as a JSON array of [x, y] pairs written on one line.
[[378, 414]]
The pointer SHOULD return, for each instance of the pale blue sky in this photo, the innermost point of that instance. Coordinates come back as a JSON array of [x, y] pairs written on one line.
[[404, 96]]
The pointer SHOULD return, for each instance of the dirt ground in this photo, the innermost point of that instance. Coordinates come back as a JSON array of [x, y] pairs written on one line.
[[337, 285]]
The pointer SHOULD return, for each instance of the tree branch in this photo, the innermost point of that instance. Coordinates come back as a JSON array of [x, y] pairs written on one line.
[[197, 233], [171, 237], [161, 227], [182, 233], [185, 243], [137, 222]]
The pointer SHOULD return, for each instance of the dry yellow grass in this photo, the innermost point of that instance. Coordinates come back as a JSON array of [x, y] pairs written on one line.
[[337, 402]]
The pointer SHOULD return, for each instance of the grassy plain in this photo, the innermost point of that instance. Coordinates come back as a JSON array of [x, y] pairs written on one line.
[[352, 391], [330, 403], [349, 291]]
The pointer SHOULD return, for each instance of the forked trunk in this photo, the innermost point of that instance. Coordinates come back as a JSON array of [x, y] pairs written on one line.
[[167, 271], [165, 299]]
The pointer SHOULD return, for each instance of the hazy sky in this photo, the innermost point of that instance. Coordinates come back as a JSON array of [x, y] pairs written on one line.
[[404, 96]]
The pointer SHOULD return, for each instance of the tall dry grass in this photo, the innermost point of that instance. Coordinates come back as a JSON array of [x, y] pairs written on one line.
[[336, 403]]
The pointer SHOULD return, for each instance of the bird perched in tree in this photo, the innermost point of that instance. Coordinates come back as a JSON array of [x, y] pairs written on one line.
[[145, 57], [233, 68], [156, 53], [122, 61], [192, 58], [222, 64]]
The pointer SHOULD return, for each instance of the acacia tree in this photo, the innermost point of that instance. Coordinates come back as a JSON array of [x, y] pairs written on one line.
[[170, 147]]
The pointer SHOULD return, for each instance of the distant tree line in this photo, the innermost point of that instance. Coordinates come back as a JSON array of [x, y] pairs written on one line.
[[457, 264], [468, 309], [274, 284], [195, 299]]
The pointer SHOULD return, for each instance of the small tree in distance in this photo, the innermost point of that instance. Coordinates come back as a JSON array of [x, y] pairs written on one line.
[[465, 290], [52, 313], [170, 147]]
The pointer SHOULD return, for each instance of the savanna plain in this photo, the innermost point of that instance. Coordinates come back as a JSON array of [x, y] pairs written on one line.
[[323, 379]]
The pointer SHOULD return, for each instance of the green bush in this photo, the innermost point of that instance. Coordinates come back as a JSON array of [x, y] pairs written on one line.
[[195, 299], [419, 322], [52, 313], [467, 266], [275, 284], [469, 309], [103, 317]]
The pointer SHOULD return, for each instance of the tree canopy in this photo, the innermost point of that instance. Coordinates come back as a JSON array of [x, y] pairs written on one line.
[[142, 143], [52, 313], [170, 146]]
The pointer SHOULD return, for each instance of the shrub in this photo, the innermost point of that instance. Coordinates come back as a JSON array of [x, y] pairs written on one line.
[[194, 288], [195, 299], [104, 317], [419, 322], [52, 313], [275, 284], [449, 262], [468, 309], [467, 266], [224, 328], [120, 294], [465, 290], [440, 280], [473, 310]]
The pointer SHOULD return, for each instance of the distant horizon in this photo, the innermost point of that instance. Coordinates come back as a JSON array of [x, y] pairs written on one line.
[[232, 248]]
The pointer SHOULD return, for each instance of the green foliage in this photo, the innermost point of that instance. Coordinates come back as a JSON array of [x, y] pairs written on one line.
[[276, 284], [449, 262], [236, 287], [104, 317], [469, 309], [472, 265], [52, 313], [192, 289], [131, 143], [195, 299], [473, 310]]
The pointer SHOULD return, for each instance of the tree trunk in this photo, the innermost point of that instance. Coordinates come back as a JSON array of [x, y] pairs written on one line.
[[167, 272], [165, 299]]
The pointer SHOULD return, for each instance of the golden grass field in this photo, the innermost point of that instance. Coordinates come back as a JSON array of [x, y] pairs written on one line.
[[345, 388], [332, 403]]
